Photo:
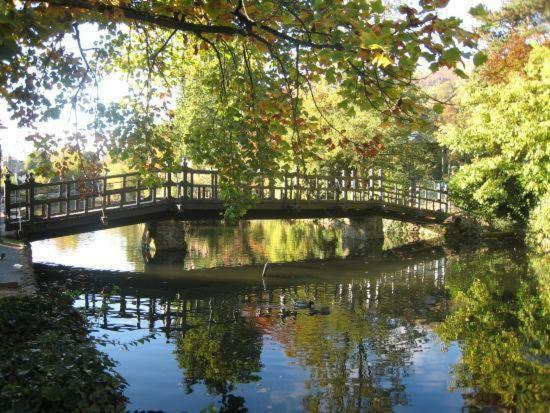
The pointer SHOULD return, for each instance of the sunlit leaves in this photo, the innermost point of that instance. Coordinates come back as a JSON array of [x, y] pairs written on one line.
[[501, 131], [370, 54]]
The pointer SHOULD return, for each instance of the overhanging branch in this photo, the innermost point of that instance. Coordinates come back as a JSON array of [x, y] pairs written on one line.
[[249, 26]]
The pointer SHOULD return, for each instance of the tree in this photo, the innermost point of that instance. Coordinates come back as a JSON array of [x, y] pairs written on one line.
[[62, 164], [220, 134], [526, 15], [501, 135], [370, 54]]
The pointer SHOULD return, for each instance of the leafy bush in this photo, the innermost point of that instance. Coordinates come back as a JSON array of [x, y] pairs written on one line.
[[502, 137], [48, 363], [538, 235]]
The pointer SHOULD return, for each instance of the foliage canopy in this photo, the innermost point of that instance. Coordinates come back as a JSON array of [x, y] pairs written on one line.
[[502, 134], [268, 53]]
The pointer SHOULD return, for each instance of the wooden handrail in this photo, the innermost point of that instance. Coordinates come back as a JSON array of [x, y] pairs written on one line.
[[34, 200]]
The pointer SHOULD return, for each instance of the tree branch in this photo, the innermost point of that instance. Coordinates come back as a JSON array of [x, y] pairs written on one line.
[[182, 25]]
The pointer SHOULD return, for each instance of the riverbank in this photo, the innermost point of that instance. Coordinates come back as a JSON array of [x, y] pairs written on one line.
[[48, 360], [16, 273]]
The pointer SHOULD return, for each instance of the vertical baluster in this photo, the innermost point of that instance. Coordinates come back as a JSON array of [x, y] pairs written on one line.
[[67, 198], [95, 193], [317, 189], [102, 193], [298, 188], [412, 191], [446, 192], [380, 185], [272, 188], [7, 198], [371, 183], [193, 185], [169, 185], [357, 186], [345, 184], [30, 197], [138, 191], [184, 180], [123, 192], [261, 187], [212, 184], [59, 195], [424, 199], [439, 196]]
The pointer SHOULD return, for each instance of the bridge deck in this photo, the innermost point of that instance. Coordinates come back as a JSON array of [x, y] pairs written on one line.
[[47, 210]]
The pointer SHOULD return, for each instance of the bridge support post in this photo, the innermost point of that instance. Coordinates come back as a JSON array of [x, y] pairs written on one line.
[[164, 236], [365, 229], [364, 234]]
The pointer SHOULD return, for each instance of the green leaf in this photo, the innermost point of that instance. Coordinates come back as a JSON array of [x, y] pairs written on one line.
[[438, 108], [479, 11], [460, 73], [480, 58], [377, 6], [451, 55]]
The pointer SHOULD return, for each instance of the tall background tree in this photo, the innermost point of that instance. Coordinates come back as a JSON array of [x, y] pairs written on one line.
[[499, 128]]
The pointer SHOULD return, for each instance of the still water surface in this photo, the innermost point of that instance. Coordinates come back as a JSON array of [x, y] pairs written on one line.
[[333, 327]]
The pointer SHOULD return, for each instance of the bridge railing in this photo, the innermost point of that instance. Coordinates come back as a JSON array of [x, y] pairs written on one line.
[[33, 201]]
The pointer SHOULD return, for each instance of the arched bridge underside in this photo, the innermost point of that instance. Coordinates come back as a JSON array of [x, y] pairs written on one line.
[[46, 210]]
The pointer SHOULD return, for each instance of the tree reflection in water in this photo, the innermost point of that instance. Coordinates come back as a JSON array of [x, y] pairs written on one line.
[[502, 319], [358, 353], [355, 339], [219, 349]]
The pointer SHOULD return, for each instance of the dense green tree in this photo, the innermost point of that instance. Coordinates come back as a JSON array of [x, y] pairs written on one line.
[[498, 131], [502, 135], [529, 15]]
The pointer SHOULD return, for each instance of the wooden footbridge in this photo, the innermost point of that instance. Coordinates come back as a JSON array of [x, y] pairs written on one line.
[[46, 210]]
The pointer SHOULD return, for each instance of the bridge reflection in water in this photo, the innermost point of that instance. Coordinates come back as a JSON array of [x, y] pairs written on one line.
[[331, 335], [170, 313]]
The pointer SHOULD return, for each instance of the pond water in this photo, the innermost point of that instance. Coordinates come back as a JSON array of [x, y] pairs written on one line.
[[334, 326]]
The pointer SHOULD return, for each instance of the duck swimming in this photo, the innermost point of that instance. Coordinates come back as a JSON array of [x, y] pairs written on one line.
[[303, 303]]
